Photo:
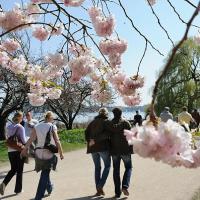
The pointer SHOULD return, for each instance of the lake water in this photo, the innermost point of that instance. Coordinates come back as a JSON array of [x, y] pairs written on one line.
[[90, 116]]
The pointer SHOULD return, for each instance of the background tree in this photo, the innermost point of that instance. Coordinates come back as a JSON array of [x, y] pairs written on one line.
[[72, 100], [13, 90], [181, 84]]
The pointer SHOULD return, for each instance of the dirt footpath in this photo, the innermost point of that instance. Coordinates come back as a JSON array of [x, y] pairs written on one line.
[[74, 180]]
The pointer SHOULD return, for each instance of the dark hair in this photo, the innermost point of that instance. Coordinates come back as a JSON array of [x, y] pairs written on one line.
[[117, 112]]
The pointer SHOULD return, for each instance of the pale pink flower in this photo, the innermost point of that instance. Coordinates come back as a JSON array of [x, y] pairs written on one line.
[[41, 1], [152, 2], [54, 93], [113, 46], [58, 30], [14, 18], [10, 45], [18, 65], [33, 8], [4, 59], [57, 59], [103, 26], [102, 96], [132, 100], [36, 100], [73, 3], [41, 33]]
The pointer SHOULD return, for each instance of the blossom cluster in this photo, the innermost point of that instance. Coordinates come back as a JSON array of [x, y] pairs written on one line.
[[103, 26], [169, 143], [73, 3]]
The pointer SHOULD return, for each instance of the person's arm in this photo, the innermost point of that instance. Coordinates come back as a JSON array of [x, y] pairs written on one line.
[[29, 142], [58, 144], [127, 125], [21, 132]]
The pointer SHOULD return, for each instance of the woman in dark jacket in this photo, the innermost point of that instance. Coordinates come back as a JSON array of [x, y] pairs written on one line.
[[97, 138]]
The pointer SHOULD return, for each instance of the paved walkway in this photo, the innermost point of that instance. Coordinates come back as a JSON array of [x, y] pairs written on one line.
[[74, 180]]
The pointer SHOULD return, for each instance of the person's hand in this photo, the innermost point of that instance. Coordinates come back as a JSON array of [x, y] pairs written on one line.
[[24, 153], [61, 156], [91, 143]]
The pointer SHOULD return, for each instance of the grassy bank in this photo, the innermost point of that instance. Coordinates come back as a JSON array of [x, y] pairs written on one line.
[[71, 140]]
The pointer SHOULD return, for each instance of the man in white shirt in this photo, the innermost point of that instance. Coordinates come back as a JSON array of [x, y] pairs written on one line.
[[29, 124]]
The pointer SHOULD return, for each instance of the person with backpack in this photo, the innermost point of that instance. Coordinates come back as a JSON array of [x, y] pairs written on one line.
[[46, 135]]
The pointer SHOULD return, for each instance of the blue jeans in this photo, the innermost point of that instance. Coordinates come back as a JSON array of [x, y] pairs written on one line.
[[100, 179], [116, 172], [44, 184]]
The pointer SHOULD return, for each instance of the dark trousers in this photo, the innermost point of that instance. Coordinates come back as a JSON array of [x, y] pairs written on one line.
[[17, 165], [44, 184], [116, 172], [100, 178]]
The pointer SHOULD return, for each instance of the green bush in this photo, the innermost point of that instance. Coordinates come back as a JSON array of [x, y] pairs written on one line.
[[72, 136]]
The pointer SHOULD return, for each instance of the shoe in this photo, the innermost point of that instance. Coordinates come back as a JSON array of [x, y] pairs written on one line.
[[125, 192], [18, 193], [100, 192], [50, 191], [117, 196], [2, 188]]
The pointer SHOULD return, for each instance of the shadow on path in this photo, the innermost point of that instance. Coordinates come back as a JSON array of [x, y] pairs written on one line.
[[96, 198], [8, 196]]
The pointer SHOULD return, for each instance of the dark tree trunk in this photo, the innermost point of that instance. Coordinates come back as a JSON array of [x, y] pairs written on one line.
[[2, 127]]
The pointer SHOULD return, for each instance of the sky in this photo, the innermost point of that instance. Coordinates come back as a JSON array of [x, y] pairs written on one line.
[[142, 16]]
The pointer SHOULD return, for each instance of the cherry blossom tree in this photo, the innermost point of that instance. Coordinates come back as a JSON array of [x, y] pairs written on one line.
[[167, 142]]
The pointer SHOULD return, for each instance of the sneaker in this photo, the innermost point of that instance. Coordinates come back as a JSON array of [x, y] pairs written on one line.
[[117, 196], [125, 191], [18, 193], [2, 188], [100, 192]]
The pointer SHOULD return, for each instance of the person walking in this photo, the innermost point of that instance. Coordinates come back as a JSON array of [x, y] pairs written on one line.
[[185, 118], [166, 115], [196, 117], [120, 150], [17, 164], [29, 124], [45, 159], [137, 119], [97, 138]]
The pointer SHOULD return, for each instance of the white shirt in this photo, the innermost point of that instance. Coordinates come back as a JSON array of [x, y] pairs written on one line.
[[41, 131], [28, 125]]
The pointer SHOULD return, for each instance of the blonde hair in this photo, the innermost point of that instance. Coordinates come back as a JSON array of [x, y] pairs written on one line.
[[17, 117], [103, 111], [48, 114]]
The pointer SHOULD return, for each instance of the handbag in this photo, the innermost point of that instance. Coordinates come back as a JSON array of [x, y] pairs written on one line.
[[47, 145], [14, 142]]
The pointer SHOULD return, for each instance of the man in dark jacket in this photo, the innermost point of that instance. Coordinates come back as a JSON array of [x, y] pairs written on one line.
[[120, 150], [98, 145], [138, 119]]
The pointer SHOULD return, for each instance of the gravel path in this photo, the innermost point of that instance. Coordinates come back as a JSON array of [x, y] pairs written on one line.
[[74, 180]]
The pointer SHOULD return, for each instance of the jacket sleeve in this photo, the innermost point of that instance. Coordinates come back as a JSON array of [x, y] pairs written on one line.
[[87, 133], [127, 125]]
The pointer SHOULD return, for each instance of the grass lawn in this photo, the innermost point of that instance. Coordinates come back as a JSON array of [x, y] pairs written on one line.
[[71, 140]]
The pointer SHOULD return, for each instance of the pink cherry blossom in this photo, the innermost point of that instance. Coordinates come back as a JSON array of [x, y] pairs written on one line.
[[41, 33], [41, 1], [132, 100], [103, 26], [57, 59], [18, 65], [102, 96], [113, 46], [74, 3], [4, 59], [33, 8], [36, 100], [57, 30], [14, 18], [152, 2], [10, 45], [54, 93]]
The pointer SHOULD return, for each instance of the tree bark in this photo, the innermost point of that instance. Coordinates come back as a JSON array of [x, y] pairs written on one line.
[[2, 127]]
